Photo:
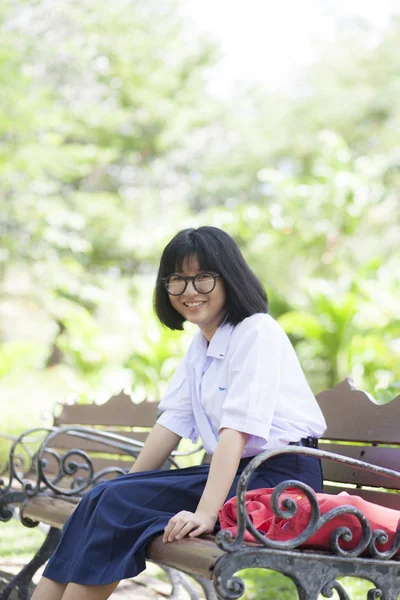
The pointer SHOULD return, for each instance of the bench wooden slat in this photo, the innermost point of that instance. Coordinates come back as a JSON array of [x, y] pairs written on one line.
[[352, 416], [119, 410], [377, 497], [196, 555], [53, 511], [379, 456]]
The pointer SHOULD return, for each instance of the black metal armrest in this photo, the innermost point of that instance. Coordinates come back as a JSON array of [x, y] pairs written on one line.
[[74, 469], [286, 509], [75, 460]]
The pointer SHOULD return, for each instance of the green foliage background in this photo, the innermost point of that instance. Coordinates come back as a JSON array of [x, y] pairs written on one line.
[[110, 142]]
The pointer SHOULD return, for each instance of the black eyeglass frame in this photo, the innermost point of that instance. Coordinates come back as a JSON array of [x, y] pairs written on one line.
[[191, 278]]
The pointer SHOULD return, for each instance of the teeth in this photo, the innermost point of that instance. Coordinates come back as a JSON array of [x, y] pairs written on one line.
[[193, 304]]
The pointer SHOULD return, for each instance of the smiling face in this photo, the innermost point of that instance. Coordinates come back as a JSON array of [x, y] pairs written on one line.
[[205, 310]]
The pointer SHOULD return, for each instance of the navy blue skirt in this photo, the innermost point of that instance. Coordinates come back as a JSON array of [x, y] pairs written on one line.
[[104, 540]]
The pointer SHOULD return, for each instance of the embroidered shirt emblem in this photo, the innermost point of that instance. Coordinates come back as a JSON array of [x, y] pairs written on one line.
[[222, 389]]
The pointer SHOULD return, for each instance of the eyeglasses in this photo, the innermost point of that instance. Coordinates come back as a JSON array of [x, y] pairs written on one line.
[[203, 283]]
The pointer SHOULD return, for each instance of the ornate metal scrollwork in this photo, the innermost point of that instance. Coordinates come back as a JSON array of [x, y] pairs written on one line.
[[230, 588], [70, 473], [286, 508], [73, 472], [328, 589], [380, 537], [75, 467], [7, 500], [8, 494], [22, 460]]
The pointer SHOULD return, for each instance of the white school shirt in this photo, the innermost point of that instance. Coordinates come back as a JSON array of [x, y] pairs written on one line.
[[248, 378]]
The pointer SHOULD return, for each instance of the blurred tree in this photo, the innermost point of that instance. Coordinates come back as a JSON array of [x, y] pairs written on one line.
[[109, 142], [314, 194], [99, 103], [325, 243]]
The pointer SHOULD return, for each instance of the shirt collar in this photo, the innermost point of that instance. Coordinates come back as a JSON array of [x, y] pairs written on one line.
[[216, 348], [219, 341]]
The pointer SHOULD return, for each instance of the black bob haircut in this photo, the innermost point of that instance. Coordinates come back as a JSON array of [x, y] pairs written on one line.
[[217, 252]]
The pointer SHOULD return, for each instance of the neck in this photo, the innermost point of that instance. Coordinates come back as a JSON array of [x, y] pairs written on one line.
[[208, 333]]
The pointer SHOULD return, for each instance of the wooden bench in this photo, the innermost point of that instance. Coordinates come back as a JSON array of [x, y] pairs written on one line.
[[360, 452], [87, 443]]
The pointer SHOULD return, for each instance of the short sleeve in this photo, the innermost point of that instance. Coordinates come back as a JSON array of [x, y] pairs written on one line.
[[253, 380], [176, 406]]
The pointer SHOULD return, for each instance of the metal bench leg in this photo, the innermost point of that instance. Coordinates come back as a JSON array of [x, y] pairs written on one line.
[[208, 587], [23, 579], [178, 579]]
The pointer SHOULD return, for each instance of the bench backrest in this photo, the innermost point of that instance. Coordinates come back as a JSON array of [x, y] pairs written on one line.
[[118, 415], [356, 426], [360, 428]]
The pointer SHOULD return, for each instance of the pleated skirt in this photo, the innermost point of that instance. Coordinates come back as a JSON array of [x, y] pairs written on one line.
[[104, 539]]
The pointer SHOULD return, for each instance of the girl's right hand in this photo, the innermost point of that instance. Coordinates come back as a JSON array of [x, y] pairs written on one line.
[[188, 523]]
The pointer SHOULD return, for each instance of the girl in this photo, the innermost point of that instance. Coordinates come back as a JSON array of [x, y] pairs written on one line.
[[240, 388]]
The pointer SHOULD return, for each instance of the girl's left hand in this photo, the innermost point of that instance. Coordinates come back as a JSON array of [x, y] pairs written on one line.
[[185, 522]]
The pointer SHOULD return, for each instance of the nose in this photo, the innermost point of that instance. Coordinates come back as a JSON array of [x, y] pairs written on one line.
[[190, 289]]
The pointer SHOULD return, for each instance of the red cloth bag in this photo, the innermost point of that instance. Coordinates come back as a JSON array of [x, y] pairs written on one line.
[[275, 528]]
